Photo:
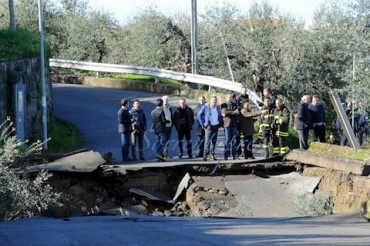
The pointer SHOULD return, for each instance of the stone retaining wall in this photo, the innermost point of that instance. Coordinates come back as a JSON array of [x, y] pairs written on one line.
[[27, 70]]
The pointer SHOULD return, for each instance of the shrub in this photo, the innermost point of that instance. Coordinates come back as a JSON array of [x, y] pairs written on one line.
[[20, 194], [20, 44]]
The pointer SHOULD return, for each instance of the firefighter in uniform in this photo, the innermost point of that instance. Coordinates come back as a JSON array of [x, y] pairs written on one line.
[[266, 121], [281, 127]]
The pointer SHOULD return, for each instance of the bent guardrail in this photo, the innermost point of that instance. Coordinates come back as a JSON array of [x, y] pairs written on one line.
[[150, 71]]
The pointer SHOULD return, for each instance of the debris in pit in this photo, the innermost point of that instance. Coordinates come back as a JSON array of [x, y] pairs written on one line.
[[184, 184], [151, 194]]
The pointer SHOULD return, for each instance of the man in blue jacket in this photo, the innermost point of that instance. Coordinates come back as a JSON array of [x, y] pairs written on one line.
[[210, 119], [199, 129], [124, 128]]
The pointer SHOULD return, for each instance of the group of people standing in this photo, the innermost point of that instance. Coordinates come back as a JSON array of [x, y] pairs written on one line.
[[236, 116], [132, 126]]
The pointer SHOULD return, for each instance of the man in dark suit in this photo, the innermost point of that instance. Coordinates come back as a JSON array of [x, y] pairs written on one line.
[[183, 120], [159, 123], [303, 122], [198, 127], [124, 128]]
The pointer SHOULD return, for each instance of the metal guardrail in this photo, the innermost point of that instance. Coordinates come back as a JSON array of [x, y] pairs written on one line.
[[186, 77]]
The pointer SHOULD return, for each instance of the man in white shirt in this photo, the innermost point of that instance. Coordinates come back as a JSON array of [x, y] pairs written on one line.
[[168, 112]]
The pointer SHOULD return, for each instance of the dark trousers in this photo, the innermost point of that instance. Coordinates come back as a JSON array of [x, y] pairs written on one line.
[[201, 139], [239, 143], [266, 133], [167, 133], [279, 146], [125, 141], [231, 134], [211, 134], [248, 143], [137, 138], [187, 134], [303, 138], [319, 133], [161, 142]]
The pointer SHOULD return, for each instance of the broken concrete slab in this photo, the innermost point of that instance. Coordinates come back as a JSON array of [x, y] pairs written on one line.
[[151, 194], [198, 165], [253, 201], [81, 162], [341, 164], [184, 184], [298, 183]]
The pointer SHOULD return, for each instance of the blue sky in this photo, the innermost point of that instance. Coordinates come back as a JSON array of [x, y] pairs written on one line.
[[125, 9]]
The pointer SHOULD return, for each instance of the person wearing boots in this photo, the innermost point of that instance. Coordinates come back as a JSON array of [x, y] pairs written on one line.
[[247, 127], [281, 128], [266, 120], [242, 98], [183, 120]]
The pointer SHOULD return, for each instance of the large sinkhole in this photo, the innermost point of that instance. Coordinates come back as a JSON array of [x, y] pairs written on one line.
[[270, 189]]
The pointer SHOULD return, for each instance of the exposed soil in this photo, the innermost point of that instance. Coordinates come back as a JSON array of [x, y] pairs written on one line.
[[108, 192], [348, 191]]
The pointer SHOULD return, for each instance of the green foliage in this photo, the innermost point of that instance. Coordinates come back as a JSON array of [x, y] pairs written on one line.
[[20, 195], [63, 137], [19, 44], [340, 151], [264, 47]]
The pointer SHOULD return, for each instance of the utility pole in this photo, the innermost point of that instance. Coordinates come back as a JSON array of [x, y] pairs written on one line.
[[11, 15], [353, 92], [194, 62], [43, 82], [227, 57]]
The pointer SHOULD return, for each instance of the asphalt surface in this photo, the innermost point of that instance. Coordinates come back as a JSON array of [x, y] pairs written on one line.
[[348, 229]]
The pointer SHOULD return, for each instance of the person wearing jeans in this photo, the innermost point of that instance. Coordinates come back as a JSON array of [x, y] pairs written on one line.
[[159, 123], [230, 113], [138, 120], [210, 119], [124, 128]]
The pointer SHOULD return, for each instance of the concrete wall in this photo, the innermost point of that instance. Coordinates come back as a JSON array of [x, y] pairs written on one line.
[[29, 71]]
